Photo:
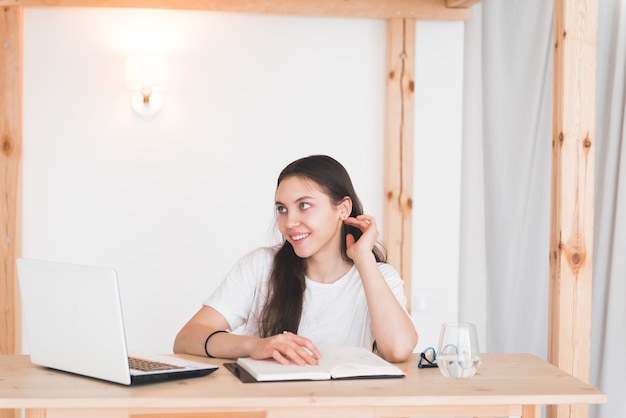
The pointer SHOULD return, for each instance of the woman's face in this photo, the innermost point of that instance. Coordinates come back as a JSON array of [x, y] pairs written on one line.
[[308, 219]]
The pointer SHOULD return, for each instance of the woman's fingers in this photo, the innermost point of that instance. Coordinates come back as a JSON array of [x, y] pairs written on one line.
[[293, 348], [367, 241], [363, 222]]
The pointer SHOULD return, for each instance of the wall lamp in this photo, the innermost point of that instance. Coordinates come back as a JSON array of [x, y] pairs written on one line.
[[147, 75]]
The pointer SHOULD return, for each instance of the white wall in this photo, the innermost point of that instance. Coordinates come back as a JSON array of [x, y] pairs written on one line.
[[437, 177], [173, 200]]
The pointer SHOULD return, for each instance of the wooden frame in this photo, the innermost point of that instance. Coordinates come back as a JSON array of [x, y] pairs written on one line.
[[399, 146], [10, 174], [571, 235], [376, 9], [571, 232]]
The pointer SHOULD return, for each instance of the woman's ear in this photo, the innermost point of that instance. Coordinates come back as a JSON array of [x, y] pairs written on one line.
[[345, 207]]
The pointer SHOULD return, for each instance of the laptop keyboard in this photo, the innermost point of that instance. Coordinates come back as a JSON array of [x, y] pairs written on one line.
[[149, 365]]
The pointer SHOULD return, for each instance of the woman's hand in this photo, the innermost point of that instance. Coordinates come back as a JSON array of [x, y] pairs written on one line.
[[365, 244], [393, 328], [285, 348]]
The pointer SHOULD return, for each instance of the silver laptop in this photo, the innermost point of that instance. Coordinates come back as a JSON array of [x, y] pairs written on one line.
[[73, 320]]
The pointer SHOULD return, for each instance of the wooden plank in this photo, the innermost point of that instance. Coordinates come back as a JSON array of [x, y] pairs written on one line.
[[10, 184], [400, 106], [505, 382], [388, 9], [571, 234], [10, 167]]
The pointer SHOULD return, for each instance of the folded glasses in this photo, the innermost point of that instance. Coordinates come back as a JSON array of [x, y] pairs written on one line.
[[428, 359]]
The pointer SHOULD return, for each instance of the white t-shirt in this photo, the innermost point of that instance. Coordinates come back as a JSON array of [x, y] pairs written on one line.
[[333, 314]]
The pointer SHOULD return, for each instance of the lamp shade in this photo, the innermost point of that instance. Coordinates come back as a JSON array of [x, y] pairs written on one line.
[[146, 71]]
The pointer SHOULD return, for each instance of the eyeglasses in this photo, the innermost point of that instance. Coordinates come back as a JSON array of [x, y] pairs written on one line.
[[428, 359]]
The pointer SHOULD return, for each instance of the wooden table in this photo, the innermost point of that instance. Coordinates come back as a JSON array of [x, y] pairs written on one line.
[[505, 385]]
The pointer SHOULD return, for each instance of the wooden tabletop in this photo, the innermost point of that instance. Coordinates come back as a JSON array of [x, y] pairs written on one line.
[[503, 380]]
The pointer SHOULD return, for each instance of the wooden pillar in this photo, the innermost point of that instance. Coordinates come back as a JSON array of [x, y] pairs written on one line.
[[571, 232], [10, 170], [10, 179], [397, 227]]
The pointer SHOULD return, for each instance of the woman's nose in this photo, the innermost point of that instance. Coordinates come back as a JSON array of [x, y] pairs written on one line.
[[293, 219]]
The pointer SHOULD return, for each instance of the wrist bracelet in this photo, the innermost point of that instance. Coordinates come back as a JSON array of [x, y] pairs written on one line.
[[207, 341]]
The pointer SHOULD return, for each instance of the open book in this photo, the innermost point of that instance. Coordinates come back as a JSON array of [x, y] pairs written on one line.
[[335, 363]]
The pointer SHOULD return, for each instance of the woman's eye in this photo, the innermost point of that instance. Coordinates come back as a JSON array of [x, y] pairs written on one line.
[[304, 205], [281, 209]]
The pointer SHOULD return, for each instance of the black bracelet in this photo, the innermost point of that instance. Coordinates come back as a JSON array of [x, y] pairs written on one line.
[[207, 341]]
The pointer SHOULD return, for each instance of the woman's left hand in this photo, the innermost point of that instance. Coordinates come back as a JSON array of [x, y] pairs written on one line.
[[364, 245]]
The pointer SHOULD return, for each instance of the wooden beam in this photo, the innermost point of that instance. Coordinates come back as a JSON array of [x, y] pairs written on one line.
[[571, 231], [400, 98], [376, 9], [10, 184], [10, 168]]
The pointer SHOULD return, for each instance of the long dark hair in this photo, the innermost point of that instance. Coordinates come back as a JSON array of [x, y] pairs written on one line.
[[286, 284]]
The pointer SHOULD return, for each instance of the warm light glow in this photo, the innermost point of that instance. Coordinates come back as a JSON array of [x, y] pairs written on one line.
[[146, 74], [146, 71]]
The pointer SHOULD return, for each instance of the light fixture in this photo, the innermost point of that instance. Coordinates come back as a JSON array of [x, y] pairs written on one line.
[[147, 75]]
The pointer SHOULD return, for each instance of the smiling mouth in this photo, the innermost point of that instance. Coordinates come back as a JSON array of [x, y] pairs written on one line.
[[299, 237]]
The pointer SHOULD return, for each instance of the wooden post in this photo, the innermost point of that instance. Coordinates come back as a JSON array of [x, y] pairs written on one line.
[[571, 232], [10, 168], [398, 201], [10, 179]]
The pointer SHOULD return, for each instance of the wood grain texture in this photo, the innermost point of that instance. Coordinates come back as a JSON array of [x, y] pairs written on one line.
[[10, 180], [399, 132], [571, 234], [10, 171], [505, 385], [375, 9]]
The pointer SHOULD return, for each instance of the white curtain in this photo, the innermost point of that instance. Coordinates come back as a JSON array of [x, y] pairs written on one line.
[[608, 349], [506, 185]]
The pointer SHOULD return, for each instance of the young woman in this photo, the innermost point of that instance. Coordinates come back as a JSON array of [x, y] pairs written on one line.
[[327, 284]]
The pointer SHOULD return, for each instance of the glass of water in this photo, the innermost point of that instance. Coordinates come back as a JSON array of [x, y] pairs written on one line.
[[458, 355]]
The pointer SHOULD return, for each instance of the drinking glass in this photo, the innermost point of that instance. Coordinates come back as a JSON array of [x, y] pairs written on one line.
[[458, 355]]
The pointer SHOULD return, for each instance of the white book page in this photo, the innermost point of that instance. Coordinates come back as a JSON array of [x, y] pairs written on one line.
[[338, 362], [270, 370], [355, 361]]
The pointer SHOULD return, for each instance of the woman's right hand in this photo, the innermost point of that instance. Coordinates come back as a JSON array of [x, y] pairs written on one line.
[[285, 348]]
